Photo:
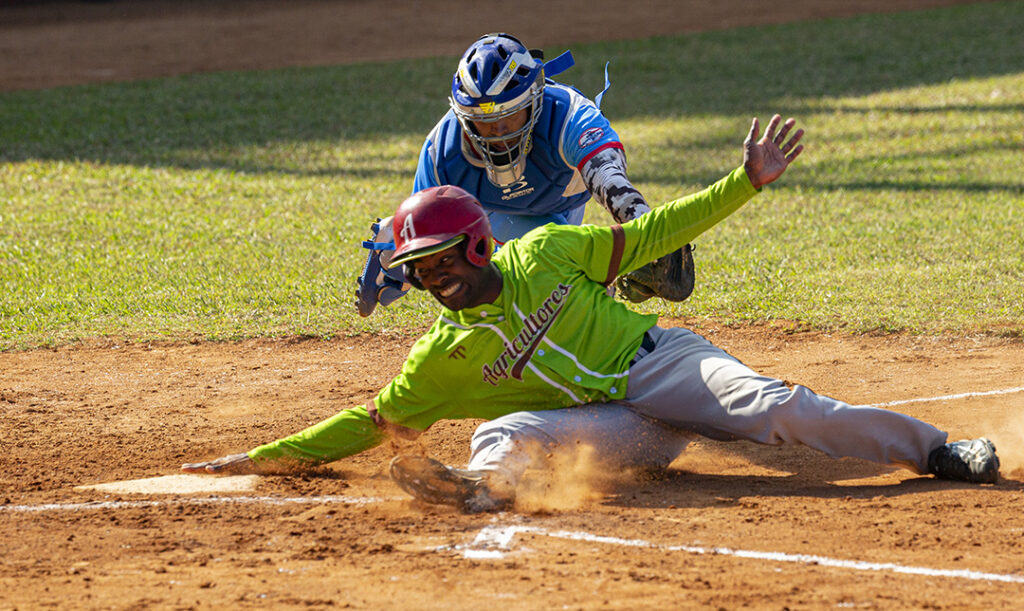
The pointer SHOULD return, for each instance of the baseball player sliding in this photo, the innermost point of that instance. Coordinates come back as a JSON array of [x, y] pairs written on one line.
[[532, 329], [532, 151]]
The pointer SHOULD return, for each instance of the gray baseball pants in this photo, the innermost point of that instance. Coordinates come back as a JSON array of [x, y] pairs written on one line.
[[680, 384]]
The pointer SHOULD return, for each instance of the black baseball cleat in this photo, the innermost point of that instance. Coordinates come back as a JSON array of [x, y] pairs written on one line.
[[970, 460], [433, 482]]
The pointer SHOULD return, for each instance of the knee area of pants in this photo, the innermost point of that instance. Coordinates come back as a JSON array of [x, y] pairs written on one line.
[[781, 392], [496, 428], [492, 433]]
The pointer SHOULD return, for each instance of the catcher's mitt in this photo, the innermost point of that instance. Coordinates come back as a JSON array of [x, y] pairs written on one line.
[[671, 277]]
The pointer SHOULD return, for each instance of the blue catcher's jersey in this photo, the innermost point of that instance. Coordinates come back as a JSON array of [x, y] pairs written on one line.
[[569, 131]]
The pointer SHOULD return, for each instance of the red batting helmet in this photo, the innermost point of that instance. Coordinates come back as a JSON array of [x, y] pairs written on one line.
[[437, 218]]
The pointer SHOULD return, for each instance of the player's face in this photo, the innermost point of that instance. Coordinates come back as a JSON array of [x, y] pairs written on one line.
[[454, 281], [504, 125]]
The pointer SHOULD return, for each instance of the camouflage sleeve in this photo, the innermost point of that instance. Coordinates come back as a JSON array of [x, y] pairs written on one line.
[[605, 177]]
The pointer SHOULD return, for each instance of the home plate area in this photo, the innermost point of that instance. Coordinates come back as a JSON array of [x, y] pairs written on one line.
[[177, 484]]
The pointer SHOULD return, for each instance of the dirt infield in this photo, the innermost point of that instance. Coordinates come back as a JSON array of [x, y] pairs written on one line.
[[730, 525], [106, 412]]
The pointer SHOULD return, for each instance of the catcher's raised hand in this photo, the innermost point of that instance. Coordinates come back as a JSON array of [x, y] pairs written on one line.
[[233, 464], [766, 159]]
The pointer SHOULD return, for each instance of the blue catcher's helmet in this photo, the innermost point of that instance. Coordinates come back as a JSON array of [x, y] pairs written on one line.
[[497, 78]]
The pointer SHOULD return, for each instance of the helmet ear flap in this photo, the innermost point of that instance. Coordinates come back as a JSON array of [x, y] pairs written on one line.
[[478, 251], [410, 276]]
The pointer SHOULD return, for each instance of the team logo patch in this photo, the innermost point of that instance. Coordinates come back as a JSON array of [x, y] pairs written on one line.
[[590, 137], [487, 107], [517, 189]]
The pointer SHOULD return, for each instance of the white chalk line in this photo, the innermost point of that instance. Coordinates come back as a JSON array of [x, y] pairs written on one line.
[[493, 542], [965, 395], [483, 546], [210, 500]]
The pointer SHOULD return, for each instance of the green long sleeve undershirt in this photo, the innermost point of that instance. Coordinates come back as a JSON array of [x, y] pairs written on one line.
[[346, 433]]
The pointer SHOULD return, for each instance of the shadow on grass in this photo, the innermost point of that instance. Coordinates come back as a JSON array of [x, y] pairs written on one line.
[[153, 123], [925, 109], [901, 185], [859, 172]]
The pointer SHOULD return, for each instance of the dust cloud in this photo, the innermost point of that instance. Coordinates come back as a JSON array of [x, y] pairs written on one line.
[[1009, 440], [571, 478]]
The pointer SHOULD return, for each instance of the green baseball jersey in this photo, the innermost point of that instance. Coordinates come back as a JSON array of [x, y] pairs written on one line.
[[553, 338]]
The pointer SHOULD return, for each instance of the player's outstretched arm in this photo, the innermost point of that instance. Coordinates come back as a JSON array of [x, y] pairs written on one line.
[[766, 159], [232, 464], [346, 433]]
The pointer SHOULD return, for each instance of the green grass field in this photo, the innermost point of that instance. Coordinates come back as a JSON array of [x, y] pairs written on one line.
[[231, 205]]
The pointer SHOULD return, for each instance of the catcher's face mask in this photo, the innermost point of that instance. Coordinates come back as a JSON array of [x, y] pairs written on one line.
[[498, 82]]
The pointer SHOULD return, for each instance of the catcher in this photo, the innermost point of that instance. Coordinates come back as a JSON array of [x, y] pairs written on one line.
[[533, 328], [532, 151]]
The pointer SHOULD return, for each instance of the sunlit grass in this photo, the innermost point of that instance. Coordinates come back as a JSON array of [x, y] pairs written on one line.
[[231, 205]]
